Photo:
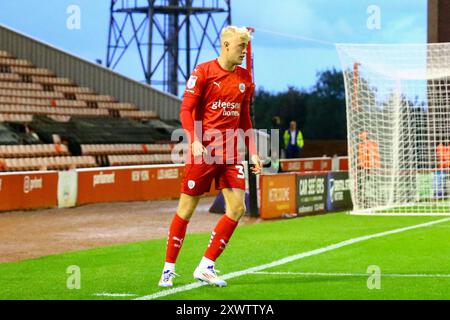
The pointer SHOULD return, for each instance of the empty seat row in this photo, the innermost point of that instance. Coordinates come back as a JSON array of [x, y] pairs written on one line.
[[20, 86], [111, 149], [72, 89], [51, 80], [60, 118], [11, 96], [94, 97], [14, 117], [139, 159], [54, 102], [10, 77], [32, 71], [24, 101], [53, 110], [117, 106], [26, 118], [141, 115], [160, 148], [31, 94], [45, 101], [68, 103], [33, 150], [15, 85], [14, 62], [47, 163]]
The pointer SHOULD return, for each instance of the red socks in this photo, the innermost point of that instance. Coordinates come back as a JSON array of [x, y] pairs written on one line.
[[177, 232], [220, 237]]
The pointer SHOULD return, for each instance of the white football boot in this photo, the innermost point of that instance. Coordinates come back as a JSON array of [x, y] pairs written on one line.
[[166, 278], [209, 275]]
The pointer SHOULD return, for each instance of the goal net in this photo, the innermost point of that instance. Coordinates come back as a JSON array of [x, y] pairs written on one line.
[[398, 126]]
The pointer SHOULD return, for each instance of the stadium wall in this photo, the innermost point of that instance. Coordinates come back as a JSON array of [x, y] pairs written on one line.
[[64, 189], [88, 74], [51, 189], [303, 193]]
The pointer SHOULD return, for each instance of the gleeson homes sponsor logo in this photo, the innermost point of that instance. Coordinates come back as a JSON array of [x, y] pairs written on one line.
[[229, 108]]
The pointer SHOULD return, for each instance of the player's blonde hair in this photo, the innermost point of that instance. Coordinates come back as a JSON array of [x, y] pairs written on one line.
[[232, 31]]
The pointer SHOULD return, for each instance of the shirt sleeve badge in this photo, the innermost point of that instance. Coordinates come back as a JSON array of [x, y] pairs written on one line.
[[191, 82]]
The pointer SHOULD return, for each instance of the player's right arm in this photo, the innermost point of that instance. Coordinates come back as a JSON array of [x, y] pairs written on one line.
[[191, 100]]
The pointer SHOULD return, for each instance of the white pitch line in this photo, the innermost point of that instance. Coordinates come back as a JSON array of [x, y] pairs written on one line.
[[292, 258], [106, 294], [323, 274]]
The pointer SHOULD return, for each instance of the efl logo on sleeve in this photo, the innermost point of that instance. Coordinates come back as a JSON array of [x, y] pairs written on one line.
[[192, 82]]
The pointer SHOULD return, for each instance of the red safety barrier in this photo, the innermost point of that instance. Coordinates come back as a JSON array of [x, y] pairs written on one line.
[[343, 163], [28, 190], [306, 165], [130, 184]]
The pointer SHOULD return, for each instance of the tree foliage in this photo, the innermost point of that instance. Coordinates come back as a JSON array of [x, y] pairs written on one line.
[[320, 112]]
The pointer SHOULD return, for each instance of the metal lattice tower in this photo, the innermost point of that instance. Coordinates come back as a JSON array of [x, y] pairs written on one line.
[[168, 36]]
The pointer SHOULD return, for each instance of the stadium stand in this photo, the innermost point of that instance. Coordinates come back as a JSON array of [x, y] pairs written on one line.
[[34, 150], [139, 159], [27, 89], [47, 122], [128, 149], [48, 163]]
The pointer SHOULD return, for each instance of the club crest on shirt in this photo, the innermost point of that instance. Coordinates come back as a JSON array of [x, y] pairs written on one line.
[[191, 82], [242, 87]]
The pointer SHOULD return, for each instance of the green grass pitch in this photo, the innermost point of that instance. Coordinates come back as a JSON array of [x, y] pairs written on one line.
[[414, 264]]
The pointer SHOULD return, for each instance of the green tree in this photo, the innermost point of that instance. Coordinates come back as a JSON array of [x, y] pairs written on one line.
[[325, 108], [319, 112]]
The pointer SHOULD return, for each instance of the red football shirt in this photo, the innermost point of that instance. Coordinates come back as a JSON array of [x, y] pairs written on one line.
[[220, 99]]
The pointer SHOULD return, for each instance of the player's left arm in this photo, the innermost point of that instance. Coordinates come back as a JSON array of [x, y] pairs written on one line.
[[245, 123]]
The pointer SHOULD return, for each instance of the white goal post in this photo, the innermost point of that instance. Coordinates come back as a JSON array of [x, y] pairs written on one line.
[[398, 127]]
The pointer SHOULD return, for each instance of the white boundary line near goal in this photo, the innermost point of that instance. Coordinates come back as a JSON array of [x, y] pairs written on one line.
[[339, 274], [288, 259]]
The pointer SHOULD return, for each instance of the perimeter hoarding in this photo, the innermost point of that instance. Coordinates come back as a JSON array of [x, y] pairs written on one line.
[[306, 165], [129, 184], [304, 193], [28, 190], [311, 193], [277, 193], [338, 191]]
